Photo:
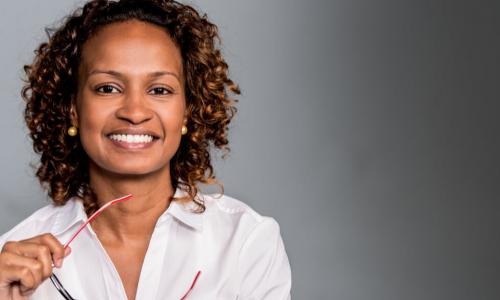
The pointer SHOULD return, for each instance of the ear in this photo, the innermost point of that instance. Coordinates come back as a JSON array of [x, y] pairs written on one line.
[[73, 115]]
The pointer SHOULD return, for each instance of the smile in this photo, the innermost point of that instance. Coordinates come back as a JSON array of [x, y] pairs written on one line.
[[132, 138]]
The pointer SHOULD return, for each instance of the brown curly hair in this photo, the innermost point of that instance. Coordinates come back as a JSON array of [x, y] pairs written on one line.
[[51, 87]]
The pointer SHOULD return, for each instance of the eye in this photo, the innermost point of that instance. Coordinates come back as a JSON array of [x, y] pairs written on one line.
[[160, 91], [107, 89]]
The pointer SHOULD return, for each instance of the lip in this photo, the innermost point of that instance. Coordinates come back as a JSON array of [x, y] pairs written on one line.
[[132, 146]]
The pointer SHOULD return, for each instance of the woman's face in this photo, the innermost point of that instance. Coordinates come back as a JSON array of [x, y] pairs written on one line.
[[130, 104]]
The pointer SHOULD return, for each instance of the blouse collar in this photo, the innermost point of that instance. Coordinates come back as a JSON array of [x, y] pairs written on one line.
[[73, 212]]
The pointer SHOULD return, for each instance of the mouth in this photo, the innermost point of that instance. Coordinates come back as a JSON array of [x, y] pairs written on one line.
[[132, 138]]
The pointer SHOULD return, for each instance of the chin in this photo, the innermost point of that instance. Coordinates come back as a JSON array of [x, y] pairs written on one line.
[[133, 168]]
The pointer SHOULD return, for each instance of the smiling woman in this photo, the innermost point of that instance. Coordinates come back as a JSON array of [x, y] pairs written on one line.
[[128, 97]]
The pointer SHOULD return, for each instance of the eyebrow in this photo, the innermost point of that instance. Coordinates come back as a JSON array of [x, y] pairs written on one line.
[[118, 74]]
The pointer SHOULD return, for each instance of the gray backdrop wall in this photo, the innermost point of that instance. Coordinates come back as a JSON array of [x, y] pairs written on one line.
[[368, 129]]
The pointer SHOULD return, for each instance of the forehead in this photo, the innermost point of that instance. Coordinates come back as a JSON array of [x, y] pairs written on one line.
[[132, 47]]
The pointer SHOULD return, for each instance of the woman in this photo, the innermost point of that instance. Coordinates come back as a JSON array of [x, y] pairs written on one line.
[[128, 97]]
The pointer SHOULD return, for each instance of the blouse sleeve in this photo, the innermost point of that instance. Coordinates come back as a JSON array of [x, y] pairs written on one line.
[[264, 266]]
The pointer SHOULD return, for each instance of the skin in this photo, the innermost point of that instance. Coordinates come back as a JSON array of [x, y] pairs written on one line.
[[25, 264], [130, 80]]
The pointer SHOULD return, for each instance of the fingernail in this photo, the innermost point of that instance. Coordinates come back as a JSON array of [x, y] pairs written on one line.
[[67, 251], [58, 263]]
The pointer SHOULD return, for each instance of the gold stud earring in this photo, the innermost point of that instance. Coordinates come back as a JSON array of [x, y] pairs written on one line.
[[184, 130], [72, 131]]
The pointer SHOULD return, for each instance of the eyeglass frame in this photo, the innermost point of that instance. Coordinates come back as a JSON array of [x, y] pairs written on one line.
[[55, 280]]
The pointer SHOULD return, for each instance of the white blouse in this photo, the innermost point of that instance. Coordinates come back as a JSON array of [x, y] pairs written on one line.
[[239, 253]]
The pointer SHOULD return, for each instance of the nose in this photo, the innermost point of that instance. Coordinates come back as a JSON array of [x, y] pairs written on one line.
[[134, 109]]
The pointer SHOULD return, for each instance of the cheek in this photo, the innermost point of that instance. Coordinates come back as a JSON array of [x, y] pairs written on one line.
[[172, 120], [91, 122], [172, 116], [92, 118]]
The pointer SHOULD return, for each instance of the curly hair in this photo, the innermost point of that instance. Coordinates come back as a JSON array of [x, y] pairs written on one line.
[[51, 86]]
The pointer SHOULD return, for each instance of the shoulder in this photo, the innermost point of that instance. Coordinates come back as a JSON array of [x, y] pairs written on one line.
[[263, 265], [41, 221], [233, 214], [229, 206]]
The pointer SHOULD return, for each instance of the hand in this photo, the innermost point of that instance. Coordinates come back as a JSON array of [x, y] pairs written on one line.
[[24, 265]]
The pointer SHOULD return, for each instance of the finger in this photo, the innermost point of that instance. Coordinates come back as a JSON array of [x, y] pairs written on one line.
[[37, 251], [9, 246], [41, 253], [25, 270], [67, 251], [17, 293], [25, 292], [55, 247]]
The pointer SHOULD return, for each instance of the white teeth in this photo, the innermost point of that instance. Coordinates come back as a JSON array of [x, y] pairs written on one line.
[[132, 138]]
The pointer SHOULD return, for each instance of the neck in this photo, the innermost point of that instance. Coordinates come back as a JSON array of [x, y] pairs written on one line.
[[132, 220]]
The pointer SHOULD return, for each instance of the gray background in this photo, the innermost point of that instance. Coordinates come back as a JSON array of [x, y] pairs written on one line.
[[368, 129]]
